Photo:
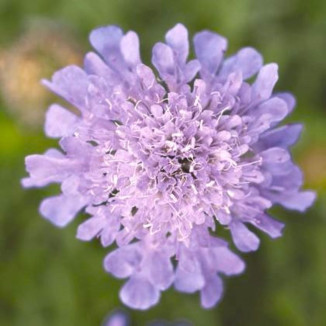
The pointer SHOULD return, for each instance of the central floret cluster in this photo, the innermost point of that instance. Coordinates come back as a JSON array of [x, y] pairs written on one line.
[[160, 163]]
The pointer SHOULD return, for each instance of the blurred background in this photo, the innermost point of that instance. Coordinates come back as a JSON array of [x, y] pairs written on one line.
[[47, 277]]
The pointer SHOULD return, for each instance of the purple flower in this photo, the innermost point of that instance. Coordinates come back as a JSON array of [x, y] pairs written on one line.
[[160, 163], [120, 318]]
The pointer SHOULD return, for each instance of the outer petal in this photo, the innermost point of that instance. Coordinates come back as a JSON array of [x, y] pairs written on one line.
[[47, 168], [262, 88], [188, 277], [160, 270], [59, 122], [269, 225], [209, 48], [244, 239], [163, 59], [71, 83], [284, 137], [106, 40], [226, 262], [60, 210], [211, 292], [299, 201], [130, 48], [247, 60], [94, 65], [122, 261], [90, 228], [138, 293], [177, 39], [277, 161], [289, 99]]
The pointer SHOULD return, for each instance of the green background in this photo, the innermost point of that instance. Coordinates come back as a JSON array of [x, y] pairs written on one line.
[[47, 277]]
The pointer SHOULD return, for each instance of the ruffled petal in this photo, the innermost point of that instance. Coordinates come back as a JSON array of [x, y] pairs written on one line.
[[263, 86], [209, 49], [188, 276], [59, 122], [48, 168], [60, 210], [138, 293], [130, 49], [247, 60], [160, 270], [299, 201], [212, 292], [122, 262], [71, 83], [226, 262], [284, 137], [289, 99], [177, 39], [277, 161], [90, 228], [94, 65], [163, 60], [244, 239], [269, 225], [106, 41]]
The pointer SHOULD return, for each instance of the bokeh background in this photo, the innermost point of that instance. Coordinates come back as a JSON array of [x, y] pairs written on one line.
[[47, 277]]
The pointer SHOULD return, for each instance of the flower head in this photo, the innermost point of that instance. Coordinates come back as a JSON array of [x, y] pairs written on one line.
[[161, 163], [120, 318]]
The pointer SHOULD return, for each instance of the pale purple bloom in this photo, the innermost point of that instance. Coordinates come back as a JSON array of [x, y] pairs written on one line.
[[160, 163], [120, 318]]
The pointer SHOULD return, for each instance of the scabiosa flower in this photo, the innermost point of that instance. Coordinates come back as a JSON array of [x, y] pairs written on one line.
[[120, 318], [161, 163]]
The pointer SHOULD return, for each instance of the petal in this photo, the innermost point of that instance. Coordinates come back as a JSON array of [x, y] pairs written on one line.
[[59, 122], [244, 239], [284, 137], [188, 276], [209, 49], [290, 182], [106, 40], [226, 262], [191, 69], [188, 282], [274, 109], [211, 292], [94, 65], [71, 83], [146, 76], [267, 77], [267, 115], [122, 262], [275, 155], [269, 225], [160, 270], [138, 293], [117, 319], [163, 59], [247, 60], [299, 201], [130, 48], [177, 39], [90, 228], [45, 169], [109, 233], [289, 99], [60, 210]]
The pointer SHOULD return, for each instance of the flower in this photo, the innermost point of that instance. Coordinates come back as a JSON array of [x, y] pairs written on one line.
[[120, 318], [161, 164]]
